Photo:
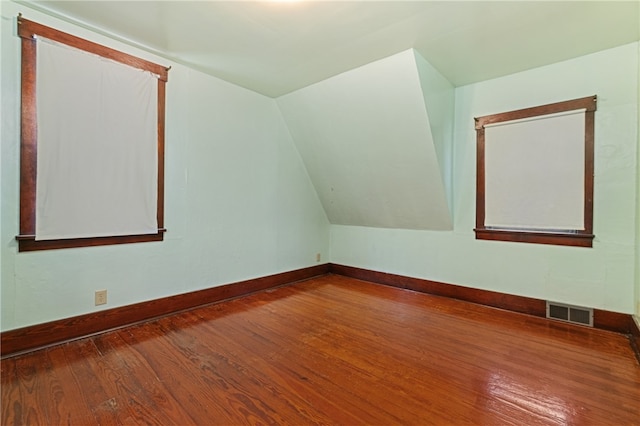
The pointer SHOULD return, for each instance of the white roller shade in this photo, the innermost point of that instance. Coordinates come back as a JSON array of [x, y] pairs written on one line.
[[534, 173], [97, 146]]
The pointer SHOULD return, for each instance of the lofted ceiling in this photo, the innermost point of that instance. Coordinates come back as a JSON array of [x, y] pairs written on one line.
[[275, 48], [375, 141]]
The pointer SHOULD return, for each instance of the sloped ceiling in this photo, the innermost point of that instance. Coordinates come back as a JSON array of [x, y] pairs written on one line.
[[366, 140], [277, 47]]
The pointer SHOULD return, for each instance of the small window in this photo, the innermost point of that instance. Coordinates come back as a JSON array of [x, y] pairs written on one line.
[[92, 143], [535, 174]]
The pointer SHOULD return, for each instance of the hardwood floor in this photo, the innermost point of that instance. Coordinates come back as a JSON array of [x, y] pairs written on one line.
[[331, 350]]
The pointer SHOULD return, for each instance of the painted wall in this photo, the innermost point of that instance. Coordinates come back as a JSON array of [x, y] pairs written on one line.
[[366, 139], [439, 98], [239, 202], [601, 277], [637, 295]]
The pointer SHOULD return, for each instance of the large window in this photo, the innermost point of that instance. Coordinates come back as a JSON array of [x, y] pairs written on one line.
[[92, 143], [535, 174]]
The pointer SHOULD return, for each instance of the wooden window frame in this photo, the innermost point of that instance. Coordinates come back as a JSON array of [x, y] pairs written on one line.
[[578, 237], [27, 31]]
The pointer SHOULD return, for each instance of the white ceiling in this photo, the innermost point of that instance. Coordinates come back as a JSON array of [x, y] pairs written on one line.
[[278, 47]]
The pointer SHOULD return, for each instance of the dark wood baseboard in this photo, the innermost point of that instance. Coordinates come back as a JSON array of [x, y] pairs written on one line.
[[525, 305], [26, 339], [634, 338], [605, 320]]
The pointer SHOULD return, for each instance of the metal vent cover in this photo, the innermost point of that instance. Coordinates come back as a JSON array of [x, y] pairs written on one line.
[[570, 313]]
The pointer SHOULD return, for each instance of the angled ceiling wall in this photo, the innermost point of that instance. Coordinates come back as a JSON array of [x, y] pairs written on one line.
[[376, 142]]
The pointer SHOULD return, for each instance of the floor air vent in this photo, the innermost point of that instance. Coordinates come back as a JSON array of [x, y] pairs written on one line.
[[569, 313]]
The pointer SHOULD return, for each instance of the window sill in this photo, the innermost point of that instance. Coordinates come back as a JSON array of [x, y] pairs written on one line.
[[29, 243], [538, 237]]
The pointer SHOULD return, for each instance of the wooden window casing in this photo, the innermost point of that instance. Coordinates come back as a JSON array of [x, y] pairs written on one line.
[[568, 237], [27, 31]]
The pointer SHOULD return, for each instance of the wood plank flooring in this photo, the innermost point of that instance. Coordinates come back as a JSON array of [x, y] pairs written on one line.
[[331, 350]]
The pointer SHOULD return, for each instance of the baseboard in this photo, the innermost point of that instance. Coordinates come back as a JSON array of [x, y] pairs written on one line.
[[634, 337], [605, 320], [26, 339]]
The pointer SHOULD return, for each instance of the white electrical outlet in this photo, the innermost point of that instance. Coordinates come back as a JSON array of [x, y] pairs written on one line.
[[101, 297], [318, 257]]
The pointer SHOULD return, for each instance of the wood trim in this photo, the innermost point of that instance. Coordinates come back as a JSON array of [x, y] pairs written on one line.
[[604, 320], [29, 242], [589, 167], [28, 30], [634, 337], [587, 103], [555, 238], [161, 127], [28, 138], [26, 339], [480, 178], [525, 305], [576, 238], [613, 321], [29, 141]]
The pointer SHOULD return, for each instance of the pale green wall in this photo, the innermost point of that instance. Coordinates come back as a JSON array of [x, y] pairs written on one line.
[[439, 101], [637, 298], [601, 277], [239, 202], [367, 142]]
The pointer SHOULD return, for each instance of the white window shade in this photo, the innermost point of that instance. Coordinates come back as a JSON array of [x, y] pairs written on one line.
[[534, 173], [97, 169]]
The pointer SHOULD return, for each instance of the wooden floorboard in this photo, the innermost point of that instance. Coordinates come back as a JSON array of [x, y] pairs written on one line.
[[331, 350]]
